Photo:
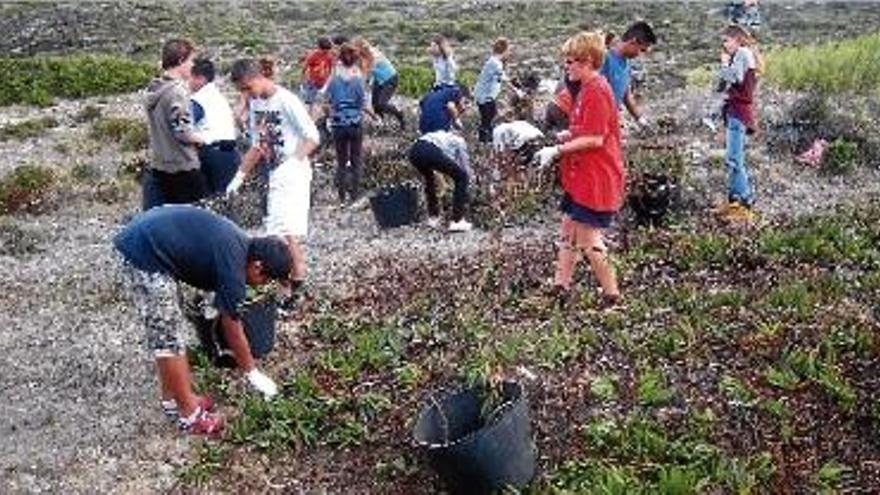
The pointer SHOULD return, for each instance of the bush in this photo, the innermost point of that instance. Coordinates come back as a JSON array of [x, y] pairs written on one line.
[[846, 65], [131, 133], [39, 80], [416, 80], [841, 157], [27, 129], [25, 188]]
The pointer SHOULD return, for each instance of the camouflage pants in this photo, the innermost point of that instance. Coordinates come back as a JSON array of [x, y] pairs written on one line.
[[156, 297]]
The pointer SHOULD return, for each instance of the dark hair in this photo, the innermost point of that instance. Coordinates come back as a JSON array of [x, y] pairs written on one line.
[[348, 55], [205, 68], [175, 52], [500, 45], [641, 31], [340, 39], [247, 68], [442, 43], [272, 252], [325, 43]]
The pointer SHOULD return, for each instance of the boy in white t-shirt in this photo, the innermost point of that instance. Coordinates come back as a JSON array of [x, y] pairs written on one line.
[[282, 136]]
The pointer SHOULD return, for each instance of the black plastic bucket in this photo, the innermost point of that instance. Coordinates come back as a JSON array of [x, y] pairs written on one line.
[[396, 205], [258, 320], [652, 196], [474, 452]]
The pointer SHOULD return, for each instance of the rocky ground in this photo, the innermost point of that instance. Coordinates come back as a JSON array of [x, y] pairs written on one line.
[[79, 413]]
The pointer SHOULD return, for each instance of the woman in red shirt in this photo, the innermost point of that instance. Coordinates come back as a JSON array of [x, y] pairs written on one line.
[[592, 173]]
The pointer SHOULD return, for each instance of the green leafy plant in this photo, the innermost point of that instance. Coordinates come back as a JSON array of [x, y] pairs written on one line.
[[131, 133], [39, 80], [26, 188], [653, 389], [841, 157], [27, 129]]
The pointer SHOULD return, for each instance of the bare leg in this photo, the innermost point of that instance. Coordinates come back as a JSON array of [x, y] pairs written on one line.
[[597, 253], [175, 377], [568, 255], [298, 254]]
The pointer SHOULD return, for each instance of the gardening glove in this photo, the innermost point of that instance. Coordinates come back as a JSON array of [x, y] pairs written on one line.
[[519, 93], [545, 156], [235, 183], [642, 122], [457, 124], [262, 383]]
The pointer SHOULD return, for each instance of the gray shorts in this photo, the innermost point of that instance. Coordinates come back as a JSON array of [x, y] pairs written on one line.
[[156, 297]]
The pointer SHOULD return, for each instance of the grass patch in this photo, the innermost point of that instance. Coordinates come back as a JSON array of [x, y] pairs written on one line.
[[39, 80], [640, 455], [841, 157], [131, 133], [849, 65], [26, 188], [27, 129]]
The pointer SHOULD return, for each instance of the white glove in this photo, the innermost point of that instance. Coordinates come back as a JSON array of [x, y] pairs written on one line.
[[235, 183], [642, 122], [546, 155], [519, 93], [262, 383], [457, 124]]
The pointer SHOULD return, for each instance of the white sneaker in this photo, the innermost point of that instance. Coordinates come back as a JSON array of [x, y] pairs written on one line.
[[460, 226], [262, 383], [433, 222]]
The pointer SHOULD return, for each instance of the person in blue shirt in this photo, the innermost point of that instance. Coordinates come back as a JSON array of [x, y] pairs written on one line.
[[637, 40], [441, 108], [182, 244], [345, 94]]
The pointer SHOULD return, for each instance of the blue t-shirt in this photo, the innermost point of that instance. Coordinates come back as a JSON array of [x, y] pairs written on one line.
[[382, 71], [195, 246], [616, 70], [434, 116], [347, 100]]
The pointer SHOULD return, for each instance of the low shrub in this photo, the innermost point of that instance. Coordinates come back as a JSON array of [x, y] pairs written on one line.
[[841, 157], [39, 80], [417, 80], [26, 188], [27, 129], [131, 133], [849, 65]]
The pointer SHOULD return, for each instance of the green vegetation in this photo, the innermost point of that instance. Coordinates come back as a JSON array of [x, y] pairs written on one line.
[[26, 188], [38, 80], [640, 455], [841, 157], [130, 133], [849, 65], [416, 80], [27, 129]]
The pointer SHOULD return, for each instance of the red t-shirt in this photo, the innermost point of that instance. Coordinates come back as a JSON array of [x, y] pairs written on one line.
[[595, 177], [317, 67]]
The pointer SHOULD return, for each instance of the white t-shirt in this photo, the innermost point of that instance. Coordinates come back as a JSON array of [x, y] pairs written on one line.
[[217, 124], [512, 135], [283, 121]]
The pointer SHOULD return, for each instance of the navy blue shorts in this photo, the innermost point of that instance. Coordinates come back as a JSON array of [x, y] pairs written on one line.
[[584, 215]]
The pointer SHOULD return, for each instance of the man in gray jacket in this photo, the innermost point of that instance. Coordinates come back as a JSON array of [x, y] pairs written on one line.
[[174, 175]]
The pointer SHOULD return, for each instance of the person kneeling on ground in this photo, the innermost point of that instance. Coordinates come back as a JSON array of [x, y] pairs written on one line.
[[592, 172], [444, 152], [165, 247]]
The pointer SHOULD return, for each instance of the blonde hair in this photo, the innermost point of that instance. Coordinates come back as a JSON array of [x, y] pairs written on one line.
[[366, 54], [745, 38], [586, 45]]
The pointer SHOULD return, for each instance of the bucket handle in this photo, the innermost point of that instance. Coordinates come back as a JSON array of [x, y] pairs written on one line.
[[436, 404]]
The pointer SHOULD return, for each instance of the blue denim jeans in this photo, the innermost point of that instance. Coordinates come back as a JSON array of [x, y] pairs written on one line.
[[738, 187]]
